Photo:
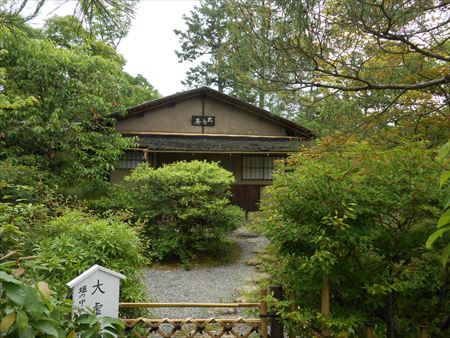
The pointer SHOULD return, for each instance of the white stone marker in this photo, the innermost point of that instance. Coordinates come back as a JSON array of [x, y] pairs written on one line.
[[97, 288]]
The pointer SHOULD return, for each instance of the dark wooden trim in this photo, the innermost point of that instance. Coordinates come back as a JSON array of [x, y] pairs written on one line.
[[203, 112], [163, 133], [262, 153], [247, 196]]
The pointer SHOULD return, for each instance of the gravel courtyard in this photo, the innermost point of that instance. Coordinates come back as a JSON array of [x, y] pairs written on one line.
[[208, 285]]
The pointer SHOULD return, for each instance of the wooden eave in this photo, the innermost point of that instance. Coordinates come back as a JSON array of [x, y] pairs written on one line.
[[243, 136]]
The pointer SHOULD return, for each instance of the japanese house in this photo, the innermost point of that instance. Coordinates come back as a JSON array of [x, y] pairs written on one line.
[[205, 124]]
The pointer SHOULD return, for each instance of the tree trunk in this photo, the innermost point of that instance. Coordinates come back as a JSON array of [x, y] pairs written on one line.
[[261, 99], [220, 84]]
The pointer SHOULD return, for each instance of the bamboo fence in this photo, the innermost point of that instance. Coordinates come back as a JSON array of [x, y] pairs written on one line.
[[214, 327]]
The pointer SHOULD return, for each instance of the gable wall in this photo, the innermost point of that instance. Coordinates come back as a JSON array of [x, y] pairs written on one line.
[[232, 120], [174, 119], [177, 119]]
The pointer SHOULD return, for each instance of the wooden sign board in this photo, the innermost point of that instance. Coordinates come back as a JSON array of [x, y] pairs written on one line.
[[205, 121], [98, 289]]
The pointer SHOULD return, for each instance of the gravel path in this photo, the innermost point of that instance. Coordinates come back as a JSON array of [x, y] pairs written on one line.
[[208, 285]]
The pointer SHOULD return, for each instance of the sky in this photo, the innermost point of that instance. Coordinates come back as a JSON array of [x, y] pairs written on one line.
[[149, 47]]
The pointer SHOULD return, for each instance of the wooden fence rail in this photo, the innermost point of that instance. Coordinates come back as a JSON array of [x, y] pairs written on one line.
[[208, 305], [223, 327], [238, 327]]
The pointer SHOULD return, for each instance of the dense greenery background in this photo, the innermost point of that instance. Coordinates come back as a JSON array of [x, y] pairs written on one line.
[[183, 209], [350, 213], [361, 221], [355, 209], [59, 87]]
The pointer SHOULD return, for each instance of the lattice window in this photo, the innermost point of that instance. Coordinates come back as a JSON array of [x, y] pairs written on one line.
[[130, 159], [258, 167]]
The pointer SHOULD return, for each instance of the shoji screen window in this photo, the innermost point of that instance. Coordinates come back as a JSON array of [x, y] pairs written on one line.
[[131, 159], [258, 167]]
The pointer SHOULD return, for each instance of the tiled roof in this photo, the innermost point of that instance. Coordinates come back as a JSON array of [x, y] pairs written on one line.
[[218, 143]]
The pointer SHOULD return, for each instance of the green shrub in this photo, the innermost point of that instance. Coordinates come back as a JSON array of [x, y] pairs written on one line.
[[21, 209], [359, 217], [116, 200], [20, 183], [30, 311], [17, 226], [184, 206], [72, 243]]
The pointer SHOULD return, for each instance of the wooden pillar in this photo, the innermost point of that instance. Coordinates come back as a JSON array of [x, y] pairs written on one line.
[[424, 331], [263, 314], [293, 308], [154, 163], [276, 328], [325, 302], [370, 330]]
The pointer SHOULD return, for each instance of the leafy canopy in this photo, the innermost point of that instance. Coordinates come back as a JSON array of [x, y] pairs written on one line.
[[358, 214], [57, 95], [347, 66]]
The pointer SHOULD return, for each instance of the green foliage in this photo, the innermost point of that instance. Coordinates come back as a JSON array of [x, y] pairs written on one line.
[[443, 224], [301, 58], [209, 27], [73, 242], [64, 132], [359, 214], [319, 50], [30, 311], [184, 207], [108, 20], [17, 225], [68, 32], [21, 183], [36, 222], [58, 92], [89, 325], [22, 193]]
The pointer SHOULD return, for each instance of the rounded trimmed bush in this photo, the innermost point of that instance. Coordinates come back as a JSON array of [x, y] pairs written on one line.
[[185, 207]]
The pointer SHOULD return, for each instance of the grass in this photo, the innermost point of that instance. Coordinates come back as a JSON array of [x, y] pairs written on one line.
[[252, 224], [229, 254]]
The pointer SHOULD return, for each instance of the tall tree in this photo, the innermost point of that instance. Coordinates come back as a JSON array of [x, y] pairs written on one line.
[[387, 58], [205, 35], [108, 20], [396, 52], [57, 94], [339, 45], [206, 41], [111, 23]]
